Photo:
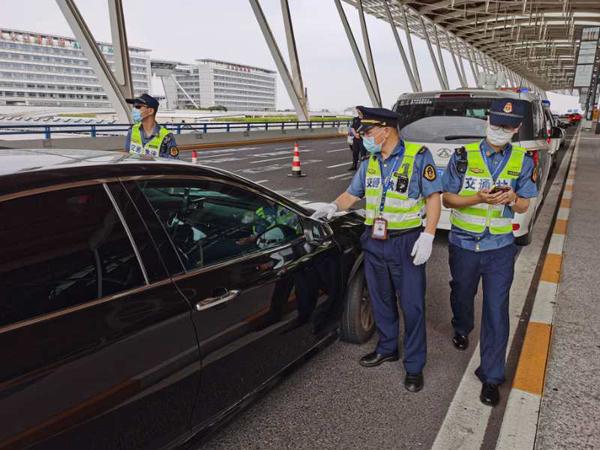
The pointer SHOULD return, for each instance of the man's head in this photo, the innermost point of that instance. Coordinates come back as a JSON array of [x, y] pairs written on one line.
[[506, 116], [145, 104], [377, 125]]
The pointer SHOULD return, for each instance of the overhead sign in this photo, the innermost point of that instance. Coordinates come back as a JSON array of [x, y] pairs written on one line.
[[583, 75], [586, 57]]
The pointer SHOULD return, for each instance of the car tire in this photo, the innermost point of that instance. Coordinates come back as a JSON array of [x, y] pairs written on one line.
[[358, 323], [524, 240]]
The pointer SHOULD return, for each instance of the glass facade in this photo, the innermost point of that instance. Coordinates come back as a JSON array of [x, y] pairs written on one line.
[[47, 70]]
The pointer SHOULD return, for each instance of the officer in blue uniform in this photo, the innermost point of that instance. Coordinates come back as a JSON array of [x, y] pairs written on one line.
[[400, 183], [485, 184]]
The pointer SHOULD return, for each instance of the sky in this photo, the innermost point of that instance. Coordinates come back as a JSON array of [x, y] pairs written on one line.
[[185, 30]]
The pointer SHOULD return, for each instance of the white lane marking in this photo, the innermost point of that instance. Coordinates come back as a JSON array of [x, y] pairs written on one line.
[[338, 150], [338, 176], [261, 181], [525, 415], [557, 242], [334, 143], [270, 159], [290, 148], [208, 152], [545, 300], [216, 155], [337, 165]]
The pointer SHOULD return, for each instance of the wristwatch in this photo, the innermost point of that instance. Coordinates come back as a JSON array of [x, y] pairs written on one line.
[[511, 204]]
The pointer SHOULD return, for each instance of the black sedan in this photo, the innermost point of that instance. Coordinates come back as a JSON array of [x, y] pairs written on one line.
[[142, 301]]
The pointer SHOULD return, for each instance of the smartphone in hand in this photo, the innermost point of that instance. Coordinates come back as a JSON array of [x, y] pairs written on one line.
[[500, 188]]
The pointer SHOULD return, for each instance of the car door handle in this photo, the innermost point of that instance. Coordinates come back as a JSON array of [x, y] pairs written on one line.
[[215, 301]]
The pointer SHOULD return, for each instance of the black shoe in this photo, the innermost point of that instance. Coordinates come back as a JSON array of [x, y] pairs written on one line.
[[413, 382], [374, 359], [460, 342], [352, 168], [489, 394]]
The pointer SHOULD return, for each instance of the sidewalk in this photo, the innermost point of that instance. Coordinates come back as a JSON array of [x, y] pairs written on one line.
[[569, 416]]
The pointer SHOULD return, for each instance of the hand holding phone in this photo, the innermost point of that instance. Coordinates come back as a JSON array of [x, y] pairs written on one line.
[[500, 188]]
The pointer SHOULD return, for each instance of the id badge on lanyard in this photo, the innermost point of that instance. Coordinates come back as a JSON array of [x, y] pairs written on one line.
[[380, 225], [379, 230]]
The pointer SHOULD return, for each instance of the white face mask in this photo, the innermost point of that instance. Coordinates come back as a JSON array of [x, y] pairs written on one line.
[[498, 137]]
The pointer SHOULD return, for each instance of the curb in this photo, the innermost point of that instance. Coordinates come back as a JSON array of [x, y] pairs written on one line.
[[189, 147], [519, 424]]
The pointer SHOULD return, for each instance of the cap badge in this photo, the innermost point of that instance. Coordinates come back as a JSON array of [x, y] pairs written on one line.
[[508, 108]]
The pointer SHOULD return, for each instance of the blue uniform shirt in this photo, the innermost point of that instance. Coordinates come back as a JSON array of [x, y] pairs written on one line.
[[418, 185], [167, 144], [524, 186]]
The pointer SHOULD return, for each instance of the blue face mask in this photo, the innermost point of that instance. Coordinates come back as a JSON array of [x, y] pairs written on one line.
[[136, 115], [370, 145]]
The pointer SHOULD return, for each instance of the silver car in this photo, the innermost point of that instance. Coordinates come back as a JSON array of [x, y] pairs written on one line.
[[445, 120]]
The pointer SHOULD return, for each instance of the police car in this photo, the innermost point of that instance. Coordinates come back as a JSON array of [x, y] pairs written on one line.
[[446, 120]]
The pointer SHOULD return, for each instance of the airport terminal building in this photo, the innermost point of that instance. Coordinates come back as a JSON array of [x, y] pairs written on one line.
[[47, 70], [237, 87]]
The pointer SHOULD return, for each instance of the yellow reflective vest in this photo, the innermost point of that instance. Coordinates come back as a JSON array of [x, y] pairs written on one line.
[[152, 147], [400, 211], [477, 218]]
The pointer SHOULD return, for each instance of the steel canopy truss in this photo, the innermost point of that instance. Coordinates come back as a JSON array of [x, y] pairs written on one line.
[[532, 42]]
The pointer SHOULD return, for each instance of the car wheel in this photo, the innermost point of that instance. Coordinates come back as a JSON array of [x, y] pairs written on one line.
[[524, 240], [358, 323]]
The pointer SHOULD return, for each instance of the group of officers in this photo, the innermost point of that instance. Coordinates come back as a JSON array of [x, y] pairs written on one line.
[[484, 185]]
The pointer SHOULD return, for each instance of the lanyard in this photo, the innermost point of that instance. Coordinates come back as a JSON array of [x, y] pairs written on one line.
[[386, 183], [500, 166]]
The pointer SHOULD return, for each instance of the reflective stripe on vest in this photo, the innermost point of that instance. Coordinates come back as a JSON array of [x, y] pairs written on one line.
[[477, 217], [152, 147], [400, 211]]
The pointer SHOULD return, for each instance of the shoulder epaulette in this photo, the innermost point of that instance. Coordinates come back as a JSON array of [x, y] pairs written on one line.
[[460, 151]]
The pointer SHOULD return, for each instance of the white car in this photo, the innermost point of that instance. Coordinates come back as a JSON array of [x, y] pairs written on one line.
[[446, 120]]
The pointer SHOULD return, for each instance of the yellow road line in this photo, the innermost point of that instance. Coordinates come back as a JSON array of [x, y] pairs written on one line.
[[532, 362]]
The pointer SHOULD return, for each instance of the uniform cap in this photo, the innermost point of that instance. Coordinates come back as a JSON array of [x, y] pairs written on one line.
[[144, 99], [376, 117], [508, 112]]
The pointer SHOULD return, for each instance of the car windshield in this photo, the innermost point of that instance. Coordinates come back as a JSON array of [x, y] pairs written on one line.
[[455, 119]]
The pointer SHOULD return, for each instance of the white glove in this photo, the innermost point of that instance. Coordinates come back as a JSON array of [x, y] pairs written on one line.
[[327, 210], [422, 249]]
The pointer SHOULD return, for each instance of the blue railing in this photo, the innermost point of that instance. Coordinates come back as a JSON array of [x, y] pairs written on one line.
[[115, 129]]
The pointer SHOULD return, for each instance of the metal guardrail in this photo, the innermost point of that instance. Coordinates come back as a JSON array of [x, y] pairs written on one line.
[[115, 129]]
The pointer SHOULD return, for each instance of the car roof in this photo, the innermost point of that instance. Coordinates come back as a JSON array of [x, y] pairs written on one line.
[[27, 169], [20, 161], [475, 93]]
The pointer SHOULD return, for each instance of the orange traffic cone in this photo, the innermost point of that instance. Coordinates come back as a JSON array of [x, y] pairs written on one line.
[[296, 170], [194, 157]]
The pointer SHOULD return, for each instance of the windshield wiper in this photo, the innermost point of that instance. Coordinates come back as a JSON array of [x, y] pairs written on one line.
[[462, 136]]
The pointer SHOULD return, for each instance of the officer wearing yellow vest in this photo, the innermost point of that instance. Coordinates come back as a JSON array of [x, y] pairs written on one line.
[[146, 137], [400, 183], [485, 184]]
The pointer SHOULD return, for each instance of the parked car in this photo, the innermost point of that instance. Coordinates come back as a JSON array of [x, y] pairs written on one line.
[[575, 118], [446, 120], [561, 121], [555, 134], [144, 301]]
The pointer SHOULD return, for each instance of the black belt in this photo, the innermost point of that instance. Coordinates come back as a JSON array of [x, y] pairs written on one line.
[[396, 233]]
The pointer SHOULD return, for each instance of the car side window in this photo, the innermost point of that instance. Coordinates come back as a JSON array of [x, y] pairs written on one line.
[[210, 221], [61, 249]]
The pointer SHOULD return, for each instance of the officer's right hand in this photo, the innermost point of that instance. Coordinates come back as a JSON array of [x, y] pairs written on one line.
[[327, 211]]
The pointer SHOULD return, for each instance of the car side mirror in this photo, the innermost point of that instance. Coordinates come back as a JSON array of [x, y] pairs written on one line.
[[314, 232], [556, 133]]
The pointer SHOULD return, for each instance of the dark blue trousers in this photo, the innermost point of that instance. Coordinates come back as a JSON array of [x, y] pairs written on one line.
[[392, 276], [495, 268]]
